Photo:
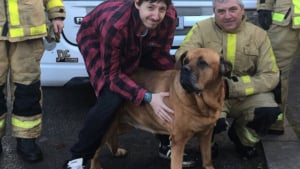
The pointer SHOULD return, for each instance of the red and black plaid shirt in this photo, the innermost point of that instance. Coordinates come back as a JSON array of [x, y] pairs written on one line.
[[112, 50]]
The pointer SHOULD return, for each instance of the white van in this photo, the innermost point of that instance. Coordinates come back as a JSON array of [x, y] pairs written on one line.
[[62, 63]]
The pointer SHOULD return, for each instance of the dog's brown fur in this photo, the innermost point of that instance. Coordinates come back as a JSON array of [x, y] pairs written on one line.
[[195, 112]]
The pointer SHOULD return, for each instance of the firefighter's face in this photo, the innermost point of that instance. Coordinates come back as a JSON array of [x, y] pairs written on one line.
[[229, 14], [151, 14]]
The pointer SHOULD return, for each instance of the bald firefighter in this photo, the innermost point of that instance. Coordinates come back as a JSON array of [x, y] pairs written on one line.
[[22, 28]]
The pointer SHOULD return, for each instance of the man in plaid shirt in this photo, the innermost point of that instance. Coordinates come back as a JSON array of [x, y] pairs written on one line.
[[115, 38]]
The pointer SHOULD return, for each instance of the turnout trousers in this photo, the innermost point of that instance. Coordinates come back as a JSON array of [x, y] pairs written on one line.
[[286, 46], [242, 110], [20, 86]]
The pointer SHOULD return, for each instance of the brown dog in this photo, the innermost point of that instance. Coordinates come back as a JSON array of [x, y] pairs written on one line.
[[196, 96]]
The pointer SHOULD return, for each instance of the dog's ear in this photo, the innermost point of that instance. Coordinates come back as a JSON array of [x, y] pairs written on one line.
[[225, 67], [181, 60]]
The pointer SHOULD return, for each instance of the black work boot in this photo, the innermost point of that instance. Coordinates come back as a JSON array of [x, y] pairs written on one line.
[[29, 150], [244, 151]]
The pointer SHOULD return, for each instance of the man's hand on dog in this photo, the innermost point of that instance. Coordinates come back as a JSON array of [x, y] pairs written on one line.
[[160, 108]]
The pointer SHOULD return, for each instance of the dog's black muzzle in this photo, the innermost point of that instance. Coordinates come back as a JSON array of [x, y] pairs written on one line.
[[188, 80]]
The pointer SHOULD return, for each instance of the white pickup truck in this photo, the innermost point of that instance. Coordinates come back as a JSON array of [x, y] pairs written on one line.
[[62, 63]]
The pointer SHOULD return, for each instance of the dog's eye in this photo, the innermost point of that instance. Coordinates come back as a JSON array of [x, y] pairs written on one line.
[[202, 63]]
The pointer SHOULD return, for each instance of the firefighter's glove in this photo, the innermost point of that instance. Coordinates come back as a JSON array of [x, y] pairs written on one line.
[[221, 125], [265, 18]]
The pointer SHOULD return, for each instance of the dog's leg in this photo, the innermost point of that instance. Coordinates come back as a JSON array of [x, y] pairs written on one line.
[[113, 144], [110, 139], [177, 151], [205, 147], [95, 162]]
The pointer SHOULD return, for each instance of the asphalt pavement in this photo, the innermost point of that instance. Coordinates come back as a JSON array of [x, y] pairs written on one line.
[[65, 110]]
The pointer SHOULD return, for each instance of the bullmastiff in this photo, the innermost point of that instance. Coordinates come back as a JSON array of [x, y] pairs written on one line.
[[196, 94]]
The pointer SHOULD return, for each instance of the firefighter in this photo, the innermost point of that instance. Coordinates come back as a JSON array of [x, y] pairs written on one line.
[[22, 28], [281, 19], [249, 100]]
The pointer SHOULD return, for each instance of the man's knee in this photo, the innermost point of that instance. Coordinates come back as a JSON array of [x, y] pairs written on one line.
[[27, 99], [264, 117]]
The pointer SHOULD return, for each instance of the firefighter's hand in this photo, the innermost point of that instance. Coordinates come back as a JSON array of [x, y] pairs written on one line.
[[58, 25], [265, 18]]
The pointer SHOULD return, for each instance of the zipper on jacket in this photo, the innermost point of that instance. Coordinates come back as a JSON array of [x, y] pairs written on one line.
[[287, 14], [5, 26]]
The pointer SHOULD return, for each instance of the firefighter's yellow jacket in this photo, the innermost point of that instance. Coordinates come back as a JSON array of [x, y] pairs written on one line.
[[26, 19], [283, 11], [248, 49]]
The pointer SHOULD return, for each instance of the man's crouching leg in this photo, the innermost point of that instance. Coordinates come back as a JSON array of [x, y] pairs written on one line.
[[246, 137]]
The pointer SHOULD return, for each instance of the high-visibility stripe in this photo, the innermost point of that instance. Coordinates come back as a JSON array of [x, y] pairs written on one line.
[[16, 32], [231, 48], [274, 63], [38, 30], [54, 3], [1, 29], [296, 6], [19, 32], [280, 117], [14, 12], [2, 122], [296, 20], [278, 17], [189, 34], [249, 91], [25, 124], [246, 79], [249, 136]]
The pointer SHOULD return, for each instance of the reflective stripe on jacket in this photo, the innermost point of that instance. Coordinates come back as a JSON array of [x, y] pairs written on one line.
[[284, 11], [248, 49], [21, 20]]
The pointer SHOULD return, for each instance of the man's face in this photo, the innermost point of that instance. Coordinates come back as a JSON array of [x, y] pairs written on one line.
[[229, 15], [152, 14]]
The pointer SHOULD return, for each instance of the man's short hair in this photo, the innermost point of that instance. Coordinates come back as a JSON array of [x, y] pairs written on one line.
[[168, 2], [240, 2]]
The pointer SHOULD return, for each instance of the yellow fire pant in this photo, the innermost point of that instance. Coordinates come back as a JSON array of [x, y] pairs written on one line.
[[286, 46], [242, 111], [20, 63]]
